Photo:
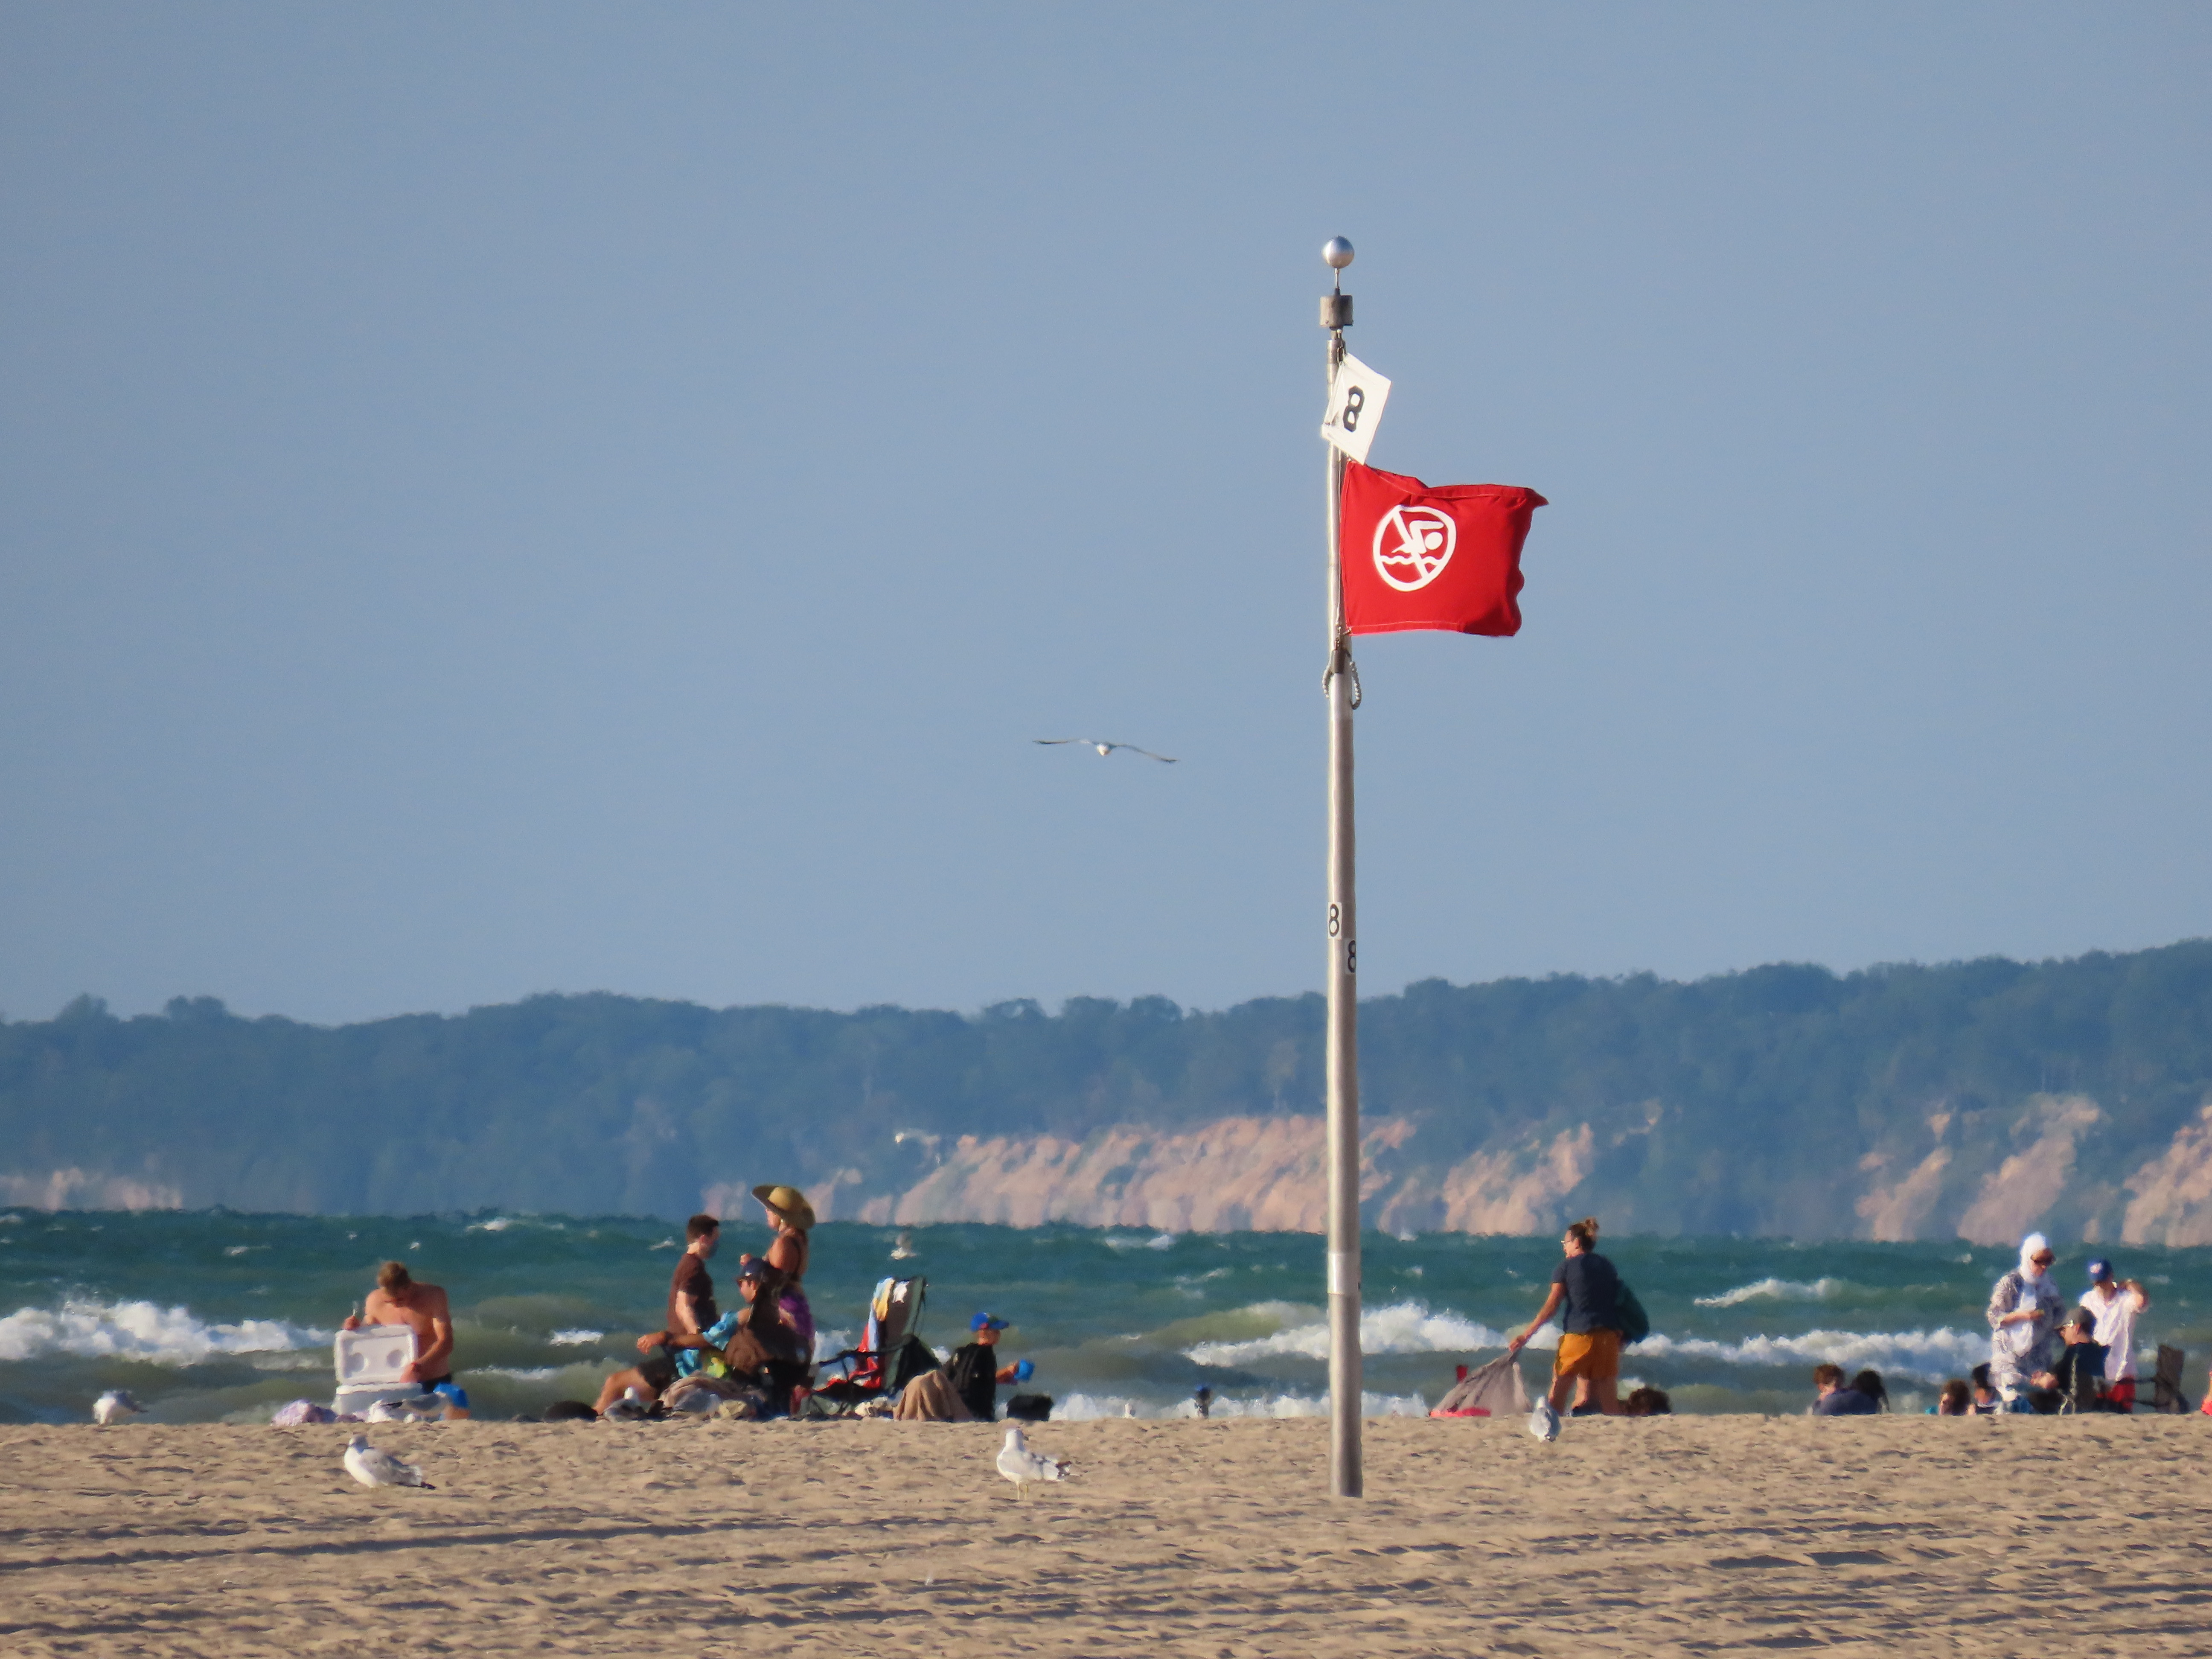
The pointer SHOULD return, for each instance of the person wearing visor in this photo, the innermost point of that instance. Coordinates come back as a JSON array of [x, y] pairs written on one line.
[[2023, 1314], [973, 1370], [2115, 1305]]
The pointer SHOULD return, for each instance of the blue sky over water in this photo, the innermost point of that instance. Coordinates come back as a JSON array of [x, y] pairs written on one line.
[[530, 498]]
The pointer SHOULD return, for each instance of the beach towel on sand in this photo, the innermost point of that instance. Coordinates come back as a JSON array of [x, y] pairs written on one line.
[[930, 1399], [1492, 1390]]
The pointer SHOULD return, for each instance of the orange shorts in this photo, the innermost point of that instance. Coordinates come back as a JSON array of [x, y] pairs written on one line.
[[1594, 1354]]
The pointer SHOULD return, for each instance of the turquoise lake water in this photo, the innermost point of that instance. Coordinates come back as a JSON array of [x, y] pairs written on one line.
[[214, 1316]]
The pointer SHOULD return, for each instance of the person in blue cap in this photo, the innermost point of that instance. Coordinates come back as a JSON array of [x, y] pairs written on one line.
[[975, 1371], [2114, 1304]]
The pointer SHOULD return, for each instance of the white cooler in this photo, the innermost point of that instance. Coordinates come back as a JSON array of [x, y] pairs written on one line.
[[371, 1362]]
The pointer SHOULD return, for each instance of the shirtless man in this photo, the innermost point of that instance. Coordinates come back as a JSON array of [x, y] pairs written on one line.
[[398, 1300]]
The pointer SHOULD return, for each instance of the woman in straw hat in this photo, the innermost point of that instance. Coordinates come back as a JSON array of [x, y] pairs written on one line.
[[793, 1218]]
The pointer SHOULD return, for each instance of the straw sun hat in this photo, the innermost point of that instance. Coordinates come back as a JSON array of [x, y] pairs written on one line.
[[789, 1203]]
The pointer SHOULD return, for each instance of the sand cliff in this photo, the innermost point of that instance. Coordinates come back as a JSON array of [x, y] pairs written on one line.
[[1986, 1184]]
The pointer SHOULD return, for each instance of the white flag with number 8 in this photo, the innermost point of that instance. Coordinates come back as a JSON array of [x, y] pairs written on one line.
[[1356, 398]]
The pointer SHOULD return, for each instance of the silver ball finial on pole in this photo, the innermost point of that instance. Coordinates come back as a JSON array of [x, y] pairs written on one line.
[[1336, 306]]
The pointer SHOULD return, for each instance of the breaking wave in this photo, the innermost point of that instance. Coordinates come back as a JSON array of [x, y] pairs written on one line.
[[1930, 1356], [1086, 1407], [1775, 1289], [141, 1330], [1399, 1328]]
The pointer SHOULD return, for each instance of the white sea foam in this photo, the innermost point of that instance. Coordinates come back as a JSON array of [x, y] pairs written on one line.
[[140, 1330], [1399, 1328], [498, 1224], [576, 1339], [828, 1342], [1086, 1408], [1774, 1290], [1931, 1355], [241, 1249]]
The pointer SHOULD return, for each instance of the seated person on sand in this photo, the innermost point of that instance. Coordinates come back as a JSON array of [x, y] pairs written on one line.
[[974, 1372], [755, 1346], [1956, 1399], [1836, 1399], [690, 1311], [1645, 1400], [1988, 1402], [2076, 1377], [398, 1300], [1869, 1383]]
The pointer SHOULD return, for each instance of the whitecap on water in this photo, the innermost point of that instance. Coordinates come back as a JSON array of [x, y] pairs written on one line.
[[1775, 1289], [1932, 1356], [575, 1339], [141, 1330], [1087, 1408], [1398, 1328]]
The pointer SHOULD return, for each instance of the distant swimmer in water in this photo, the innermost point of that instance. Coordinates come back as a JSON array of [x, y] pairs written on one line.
[[903, 1250]]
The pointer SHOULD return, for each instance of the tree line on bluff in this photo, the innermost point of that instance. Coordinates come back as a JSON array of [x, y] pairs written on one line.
[[1726, 1105]]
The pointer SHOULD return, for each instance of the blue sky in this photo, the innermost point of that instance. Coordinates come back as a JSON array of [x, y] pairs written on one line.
[[547, 497]]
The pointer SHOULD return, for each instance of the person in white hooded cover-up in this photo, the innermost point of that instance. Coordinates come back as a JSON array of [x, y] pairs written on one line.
[[2025, 1308]]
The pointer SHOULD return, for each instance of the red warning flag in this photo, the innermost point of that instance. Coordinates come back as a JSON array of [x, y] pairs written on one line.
[[1418, 557]]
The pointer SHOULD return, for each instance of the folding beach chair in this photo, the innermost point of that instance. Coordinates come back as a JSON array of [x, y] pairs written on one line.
[[890, 1353], [2165, 1393]]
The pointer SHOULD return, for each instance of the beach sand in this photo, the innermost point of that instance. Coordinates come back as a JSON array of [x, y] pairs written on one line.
[[1675, 1536]]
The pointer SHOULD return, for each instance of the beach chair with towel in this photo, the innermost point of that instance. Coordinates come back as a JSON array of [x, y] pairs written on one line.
[[1492, 1390], [890, 1354]]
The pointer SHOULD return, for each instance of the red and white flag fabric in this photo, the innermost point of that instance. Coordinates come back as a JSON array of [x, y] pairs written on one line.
[[1445, 556]]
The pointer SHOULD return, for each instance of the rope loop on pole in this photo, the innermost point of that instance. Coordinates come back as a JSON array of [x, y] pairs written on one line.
[[1340, 661]]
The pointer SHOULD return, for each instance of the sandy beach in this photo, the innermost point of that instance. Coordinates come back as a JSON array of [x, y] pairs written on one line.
[[1677, 1536]]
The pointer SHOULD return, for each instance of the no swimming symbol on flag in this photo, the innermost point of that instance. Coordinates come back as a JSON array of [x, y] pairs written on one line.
[[1416, 556]]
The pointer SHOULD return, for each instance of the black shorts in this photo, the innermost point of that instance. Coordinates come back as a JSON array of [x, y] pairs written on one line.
[[658, 1371]]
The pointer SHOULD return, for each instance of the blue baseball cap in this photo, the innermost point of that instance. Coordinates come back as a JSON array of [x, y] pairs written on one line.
[[2099, 1271], [983, 1321]]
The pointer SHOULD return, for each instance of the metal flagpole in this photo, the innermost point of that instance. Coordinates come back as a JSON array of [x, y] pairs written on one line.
[[1346, 1478]]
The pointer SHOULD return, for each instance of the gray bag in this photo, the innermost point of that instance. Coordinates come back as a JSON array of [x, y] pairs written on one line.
[[1495, 1388]]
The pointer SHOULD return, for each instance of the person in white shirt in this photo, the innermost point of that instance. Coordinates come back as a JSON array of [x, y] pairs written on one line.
[[2116, 1305]]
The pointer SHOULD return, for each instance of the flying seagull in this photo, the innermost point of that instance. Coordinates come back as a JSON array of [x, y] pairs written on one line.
[[114, 1405], [1105, 749], [1021, 1466], [372, 1467]]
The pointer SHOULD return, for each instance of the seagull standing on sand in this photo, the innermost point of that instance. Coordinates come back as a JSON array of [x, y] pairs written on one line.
[[114, 1405], [1022, 1466], [372, 1467], [1105, 748]]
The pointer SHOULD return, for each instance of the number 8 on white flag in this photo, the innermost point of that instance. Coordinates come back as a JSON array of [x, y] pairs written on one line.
[[1356, 398]]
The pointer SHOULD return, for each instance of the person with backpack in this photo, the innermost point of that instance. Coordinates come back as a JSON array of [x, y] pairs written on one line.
[[1589, 1290]]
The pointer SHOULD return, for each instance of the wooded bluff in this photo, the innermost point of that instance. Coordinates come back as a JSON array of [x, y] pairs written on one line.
[[1973, 1099]]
